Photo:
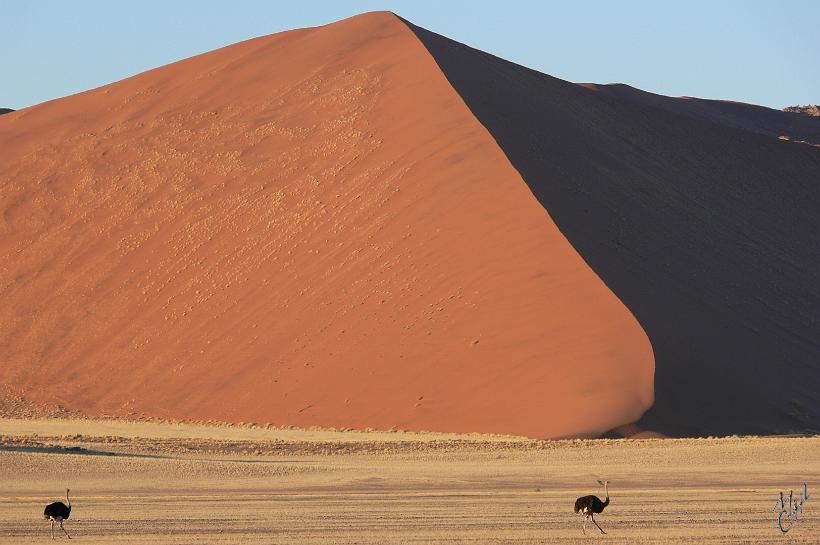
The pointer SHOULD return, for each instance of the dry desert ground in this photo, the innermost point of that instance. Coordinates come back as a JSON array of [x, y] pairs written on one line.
[[174, 483]]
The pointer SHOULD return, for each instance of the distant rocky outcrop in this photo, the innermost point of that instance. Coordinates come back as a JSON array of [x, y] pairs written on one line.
[[809, 109], [5, 111]]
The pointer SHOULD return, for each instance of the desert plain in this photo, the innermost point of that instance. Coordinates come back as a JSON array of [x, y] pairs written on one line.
[[144, 482]]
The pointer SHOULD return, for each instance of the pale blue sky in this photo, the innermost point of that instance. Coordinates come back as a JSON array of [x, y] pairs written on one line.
[[763, 52]]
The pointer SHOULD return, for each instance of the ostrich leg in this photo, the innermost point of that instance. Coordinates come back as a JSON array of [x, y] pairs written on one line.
[[596, 524], [63, 529]]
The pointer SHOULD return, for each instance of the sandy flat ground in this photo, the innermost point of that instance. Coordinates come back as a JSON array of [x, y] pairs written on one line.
[[163, 483]]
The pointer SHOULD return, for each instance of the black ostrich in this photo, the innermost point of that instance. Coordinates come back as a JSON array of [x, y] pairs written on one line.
[[589, 505], [58, 512]]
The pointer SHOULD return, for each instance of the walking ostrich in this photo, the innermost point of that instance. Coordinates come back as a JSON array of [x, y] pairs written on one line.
[[589, 505], [58, 512]]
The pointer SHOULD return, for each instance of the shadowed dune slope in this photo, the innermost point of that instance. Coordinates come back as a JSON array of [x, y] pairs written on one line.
[[309, 228], [710, 235], [5, 111], [736, 115]]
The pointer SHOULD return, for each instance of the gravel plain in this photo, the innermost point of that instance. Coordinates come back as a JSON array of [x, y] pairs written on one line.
[[177, 484]]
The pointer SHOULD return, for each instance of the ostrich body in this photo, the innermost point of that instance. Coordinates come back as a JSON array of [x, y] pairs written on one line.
[[58, 512], [589, 505]]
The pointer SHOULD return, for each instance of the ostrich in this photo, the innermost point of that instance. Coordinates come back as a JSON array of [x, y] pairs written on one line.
[[58, 512], [589, 505]]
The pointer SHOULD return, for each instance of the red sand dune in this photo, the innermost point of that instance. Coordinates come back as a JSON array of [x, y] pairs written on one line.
[[309, 228]]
